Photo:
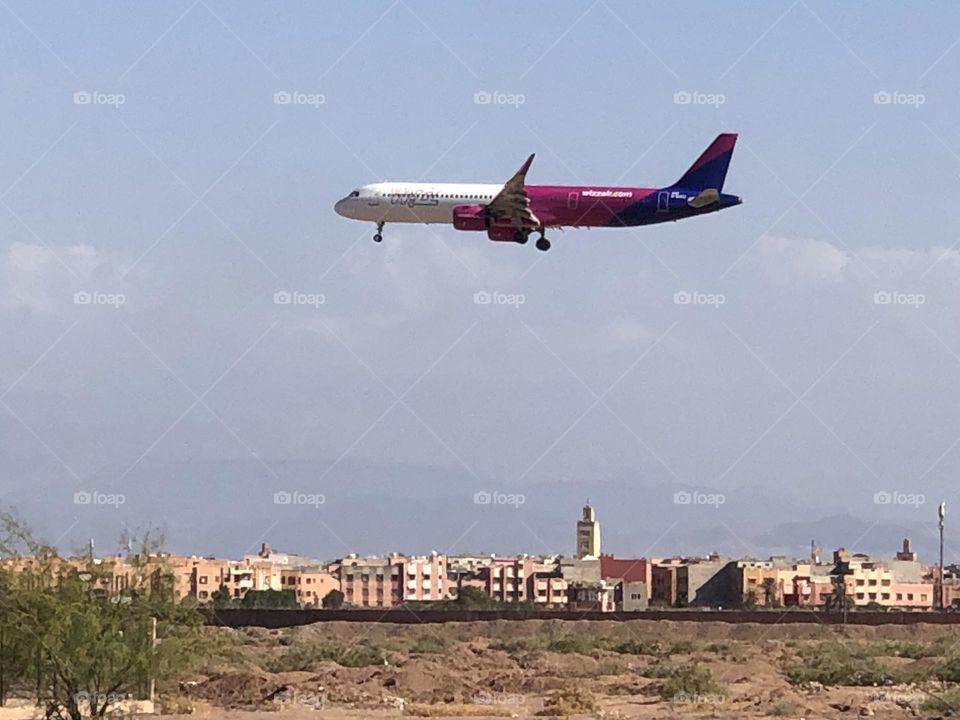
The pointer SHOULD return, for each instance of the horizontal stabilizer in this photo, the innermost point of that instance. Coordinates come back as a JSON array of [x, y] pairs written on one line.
[[704, 198]]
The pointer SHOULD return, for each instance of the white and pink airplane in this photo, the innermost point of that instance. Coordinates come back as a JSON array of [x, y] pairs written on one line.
[[511, 211]]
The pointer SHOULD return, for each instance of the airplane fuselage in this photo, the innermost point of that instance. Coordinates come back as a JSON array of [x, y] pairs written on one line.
[[554, 205]]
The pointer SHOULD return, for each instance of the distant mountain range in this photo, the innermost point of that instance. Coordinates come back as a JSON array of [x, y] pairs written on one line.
[[227, 508]]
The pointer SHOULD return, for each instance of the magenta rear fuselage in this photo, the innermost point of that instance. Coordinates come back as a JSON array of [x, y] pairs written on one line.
[[599, 206]]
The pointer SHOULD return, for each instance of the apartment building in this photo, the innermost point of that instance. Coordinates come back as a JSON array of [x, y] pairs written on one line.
[[372, 581], [310, 584], [425, 578], [546, 585], [198, 577], [631, 579], [683, 581]]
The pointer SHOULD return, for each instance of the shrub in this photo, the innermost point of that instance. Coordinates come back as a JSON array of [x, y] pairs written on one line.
[[718, 647], [638, 647], [429, 643], [942, 703], [658, 670], [572, 701], [836, 664], [681, 647], [689, 680], [572, 644], [781, 708], [912, 650], [301, 657], [949, 671], [524, 643]]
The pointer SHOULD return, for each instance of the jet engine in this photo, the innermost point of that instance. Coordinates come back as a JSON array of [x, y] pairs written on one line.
[[470, 217]]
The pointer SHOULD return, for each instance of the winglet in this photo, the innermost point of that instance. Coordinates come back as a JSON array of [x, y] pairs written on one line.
[[521, 174]]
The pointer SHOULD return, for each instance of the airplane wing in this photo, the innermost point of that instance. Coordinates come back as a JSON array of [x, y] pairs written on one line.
[[512, 202]]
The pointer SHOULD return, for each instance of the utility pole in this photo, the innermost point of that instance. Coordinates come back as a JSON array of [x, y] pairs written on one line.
[[152, 680], [941, 512]]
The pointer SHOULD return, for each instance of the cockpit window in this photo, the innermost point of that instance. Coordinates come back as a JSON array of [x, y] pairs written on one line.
[[355, 193]]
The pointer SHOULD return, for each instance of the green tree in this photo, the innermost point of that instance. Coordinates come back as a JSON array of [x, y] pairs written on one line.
[[333, 600], [221, 597], [749, 601], [770, 595], [273, 599], [472, 598], [839, 600], [84, 645]]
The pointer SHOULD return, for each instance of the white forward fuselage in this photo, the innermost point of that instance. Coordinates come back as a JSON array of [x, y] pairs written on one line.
[[413, 202]]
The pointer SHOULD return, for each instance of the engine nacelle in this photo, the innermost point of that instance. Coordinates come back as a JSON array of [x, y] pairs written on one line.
[[502, 233], [470, 217]]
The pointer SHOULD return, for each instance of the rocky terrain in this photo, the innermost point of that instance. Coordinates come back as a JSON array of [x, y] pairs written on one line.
[[638, 669]]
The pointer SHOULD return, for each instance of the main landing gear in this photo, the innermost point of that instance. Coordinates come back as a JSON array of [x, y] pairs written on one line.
[[543, 244], [378, 236]]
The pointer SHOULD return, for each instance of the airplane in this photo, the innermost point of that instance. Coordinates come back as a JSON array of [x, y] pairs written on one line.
[[511, 211]]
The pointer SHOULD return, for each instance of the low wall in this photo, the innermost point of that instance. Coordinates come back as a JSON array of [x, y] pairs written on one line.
[[244, 617]]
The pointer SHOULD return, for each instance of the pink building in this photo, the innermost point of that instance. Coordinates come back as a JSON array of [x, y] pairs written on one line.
[[372, 581], [425, 578]]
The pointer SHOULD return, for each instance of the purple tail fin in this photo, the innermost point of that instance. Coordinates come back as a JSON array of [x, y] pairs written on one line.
[[710, 169]]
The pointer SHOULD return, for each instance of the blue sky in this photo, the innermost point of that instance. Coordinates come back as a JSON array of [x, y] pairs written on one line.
[[183, 188]]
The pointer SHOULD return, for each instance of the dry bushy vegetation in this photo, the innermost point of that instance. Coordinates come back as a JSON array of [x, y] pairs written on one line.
[[639, 669]]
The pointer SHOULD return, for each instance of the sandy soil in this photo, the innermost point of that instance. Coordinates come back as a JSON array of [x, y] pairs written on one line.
[[510, 669], [468, 671]]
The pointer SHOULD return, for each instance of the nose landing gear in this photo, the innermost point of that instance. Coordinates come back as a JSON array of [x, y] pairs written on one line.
[[378, 236], [542, 243]]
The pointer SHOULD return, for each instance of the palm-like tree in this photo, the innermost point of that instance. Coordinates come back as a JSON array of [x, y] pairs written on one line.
[[770, 598]]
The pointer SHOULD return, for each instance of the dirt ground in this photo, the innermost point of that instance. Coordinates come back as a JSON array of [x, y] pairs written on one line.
[[573, 668]]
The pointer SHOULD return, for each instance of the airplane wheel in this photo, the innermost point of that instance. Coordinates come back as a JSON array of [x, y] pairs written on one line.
[[521, 238], [543, 244], [378, 238]]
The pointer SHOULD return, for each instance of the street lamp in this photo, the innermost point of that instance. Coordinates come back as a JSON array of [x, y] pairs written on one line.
[[941, 512]]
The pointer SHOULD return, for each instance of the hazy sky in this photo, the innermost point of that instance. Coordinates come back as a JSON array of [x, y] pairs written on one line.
[[147, 164]]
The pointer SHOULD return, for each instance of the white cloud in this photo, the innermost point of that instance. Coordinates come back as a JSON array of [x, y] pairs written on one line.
[[40, 279], [622, 333], [784, 259], [818, 261]]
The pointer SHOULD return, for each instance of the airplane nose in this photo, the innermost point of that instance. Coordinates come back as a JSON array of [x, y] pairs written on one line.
[[340, 207]]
